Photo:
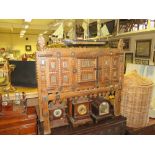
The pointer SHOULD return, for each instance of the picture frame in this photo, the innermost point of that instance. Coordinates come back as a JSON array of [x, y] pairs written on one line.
[[145, 62], [126, 44], [128, 58], [143, 48], [114, 44], [28, 48], [138, 61]]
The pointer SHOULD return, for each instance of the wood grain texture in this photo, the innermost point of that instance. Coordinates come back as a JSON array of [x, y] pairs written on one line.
[[75, 72], [16, 123]]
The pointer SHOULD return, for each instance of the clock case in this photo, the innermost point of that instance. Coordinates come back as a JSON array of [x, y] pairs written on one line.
[[75, 118], [96, 111], [62, 119]]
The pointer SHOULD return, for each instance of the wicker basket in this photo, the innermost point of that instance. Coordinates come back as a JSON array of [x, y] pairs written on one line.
[[136, 98]]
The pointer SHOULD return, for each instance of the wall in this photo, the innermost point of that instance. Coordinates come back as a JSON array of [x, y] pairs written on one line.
[[135, 37], [14, 42]]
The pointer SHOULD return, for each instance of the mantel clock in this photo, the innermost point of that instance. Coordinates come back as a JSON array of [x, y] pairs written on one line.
[[79, 111], [101, 109], [57, 114]]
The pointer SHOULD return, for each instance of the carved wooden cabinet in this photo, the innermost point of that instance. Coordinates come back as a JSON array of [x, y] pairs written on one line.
[[77, 72]]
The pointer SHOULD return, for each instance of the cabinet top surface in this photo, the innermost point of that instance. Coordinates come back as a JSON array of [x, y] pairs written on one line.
[[78, 52]]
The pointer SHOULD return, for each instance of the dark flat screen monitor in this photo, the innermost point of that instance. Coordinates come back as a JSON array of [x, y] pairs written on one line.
[[24, 73]]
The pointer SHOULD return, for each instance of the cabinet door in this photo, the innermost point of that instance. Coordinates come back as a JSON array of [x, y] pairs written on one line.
[[86, 70]]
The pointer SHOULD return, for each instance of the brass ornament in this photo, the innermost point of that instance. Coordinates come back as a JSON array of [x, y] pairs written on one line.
[[82, 109]]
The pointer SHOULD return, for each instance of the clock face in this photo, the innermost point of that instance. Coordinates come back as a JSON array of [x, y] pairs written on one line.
[[104, 108], [82, 109], [57, 113]]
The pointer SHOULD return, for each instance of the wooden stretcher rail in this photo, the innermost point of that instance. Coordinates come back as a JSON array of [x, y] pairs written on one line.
[[81, 92]]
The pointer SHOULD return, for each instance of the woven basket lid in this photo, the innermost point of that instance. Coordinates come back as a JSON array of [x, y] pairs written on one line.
[[134, 79]]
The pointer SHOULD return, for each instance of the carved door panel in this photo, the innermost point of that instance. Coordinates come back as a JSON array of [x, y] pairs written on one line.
[[114, 69], [66, 73], [53, 73], [86, 71], [104, 65]]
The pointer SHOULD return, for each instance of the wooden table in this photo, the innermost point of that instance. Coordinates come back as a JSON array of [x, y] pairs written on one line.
[[148, 130], [115, 126]]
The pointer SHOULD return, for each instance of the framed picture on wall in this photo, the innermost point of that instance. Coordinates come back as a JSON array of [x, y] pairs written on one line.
[[137, 61], [145, 62], [27, 47], [143, 48], [128, 58], [114, 44]]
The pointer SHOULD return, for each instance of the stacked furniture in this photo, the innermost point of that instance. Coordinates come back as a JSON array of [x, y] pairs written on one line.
[[16, 119]]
